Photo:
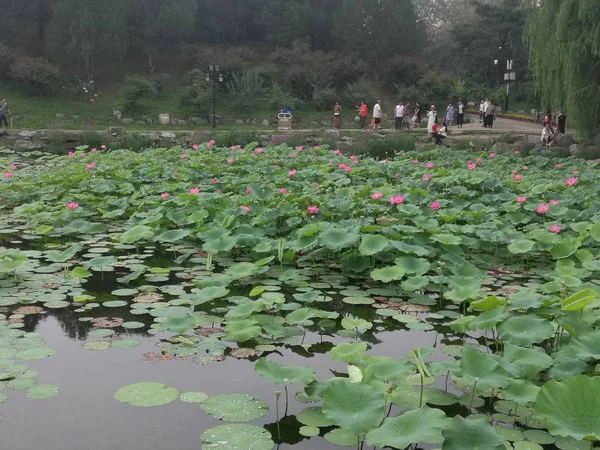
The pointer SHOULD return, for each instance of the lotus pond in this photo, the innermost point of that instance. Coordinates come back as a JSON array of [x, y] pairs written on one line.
[[298, 298]]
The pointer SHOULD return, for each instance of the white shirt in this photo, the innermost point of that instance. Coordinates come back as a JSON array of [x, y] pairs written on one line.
[[482, 107], [485, 106], [430, 121], [546, 133], [377, 111], [399, 112], [461, 108]]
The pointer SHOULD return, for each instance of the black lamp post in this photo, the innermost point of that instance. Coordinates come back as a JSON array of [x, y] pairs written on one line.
[[509, 75], [216, 75]]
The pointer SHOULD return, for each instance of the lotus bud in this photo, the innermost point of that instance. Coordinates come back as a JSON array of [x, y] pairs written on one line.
[[277, 394]]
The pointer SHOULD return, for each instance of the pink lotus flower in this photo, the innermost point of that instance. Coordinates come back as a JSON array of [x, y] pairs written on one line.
[[341, 165], [516, 152], [376, 195], [426, 177], [71, 154], [353, 158], [246, 208], [249, 191], [430, 165], [103, 147], [435, 206], [471, 166], [348, 169], [210, 143], [259, 150], [543, 208], [294, 155], [176, 174], [91, 165], [316, 147], [94, 150], [571, 181], [576, 172], [555, 229], [292, 172], [195, 147], [183, 156], [299, 148], [559, 166], [312, 210], [194, 191], [554, 202], [518, 177], [521, 199], [215, 181], [165, 195], [525, 167], [83, 155], [478, 160], [9, 175], [283, 190], [397, 199], [72, 205], [337, 152], [315, 185], [492, 155], [230, 161], [415, 161]]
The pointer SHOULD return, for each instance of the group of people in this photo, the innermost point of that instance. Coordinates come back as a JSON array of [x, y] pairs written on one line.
[[487, 113], [402, 115], [551, 129]]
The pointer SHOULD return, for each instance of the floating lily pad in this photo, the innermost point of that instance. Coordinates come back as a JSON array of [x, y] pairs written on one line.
[[133, 325], [125, 343], [36, 353], [235, 407], [341, 437], [21, 383], [101, 333], [193, 397], [124, 292], [114, 304], [309, 431], [147, 394], [237, 436], [97, 345], [56, 305], [313, 416], [42, 391]]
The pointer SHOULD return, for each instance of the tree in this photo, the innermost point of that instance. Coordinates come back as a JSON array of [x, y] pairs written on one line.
[[88, 33], [565, 57], [156, 22]]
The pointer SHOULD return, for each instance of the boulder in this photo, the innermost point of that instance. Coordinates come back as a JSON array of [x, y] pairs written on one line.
[[265, 123], [168, 135], [27, 134], [597, 140], [584, 151], [524, 147], [564, 140], [164, 119], [60, 116], [127, 120], [25, 145], [511, 138], [117, 114], [71, 136], [502, 148], [116, 131], [140, 122], [199, 120], [239, 121], [552, 152]]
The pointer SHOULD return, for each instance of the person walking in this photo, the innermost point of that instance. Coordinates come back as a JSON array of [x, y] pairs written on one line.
[[416, 119], [399, 115], [3, 113], [377, 114], [337, 116], [481, 111], [363, 112], [490, 114], [450, 114], [406, 118], [431, 118], [460, 118], [485, 107]]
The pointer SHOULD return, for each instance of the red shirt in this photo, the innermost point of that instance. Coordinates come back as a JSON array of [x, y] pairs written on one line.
[[435, 128], [364, 110]]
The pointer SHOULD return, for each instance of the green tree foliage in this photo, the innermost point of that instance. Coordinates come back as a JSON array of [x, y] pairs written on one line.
[[34, 72], [564, 36], [134, 90], [157, 22], [88, 34]]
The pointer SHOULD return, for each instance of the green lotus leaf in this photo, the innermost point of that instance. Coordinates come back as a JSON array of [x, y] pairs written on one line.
[[423, 425], [446, 239], [193, 397], [348, 352], [409, 249], [462, 325], [595, 232], [387, 274], [488, 303], [221, 244], [564, 248], [387, 369], [469, 434], [578, 301], [342, 437], [525, 330], [527, 445], [531, 360], [147, 394], [352, 324], [571, 407], [522, 246], [372, 244], [209, 293], [284, 375], [353, 406], [488, 319], [415, 283], [237, 436], [42, 391], [65, 255], [412, 265], [309, 431], [136, 234], [242, 330], [125, 343], [173, 235], [36, 353], [234, 407], [101, 261], [358, 300], [335, 238], [482, 369], [521, 392], [178, 324], [586, 346], [80, 272], [97, 345]]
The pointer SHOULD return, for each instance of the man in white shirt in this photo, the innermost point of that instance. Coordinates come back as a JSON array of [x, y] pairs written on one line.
[[460, 119], [481, 110], [377, 115], [399, 115]]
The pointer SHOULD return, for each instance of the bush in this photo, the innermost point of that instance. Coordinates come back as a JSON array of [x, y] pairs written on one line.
[[360, 90], [234, 59], [409, 94], [246, 90], [7, 58], [323, 96], [160, 82], [379, 148], [134, 90], [236, 137], [37, 72], [92, 139], [135, 142], [197, 97], [277, 97]]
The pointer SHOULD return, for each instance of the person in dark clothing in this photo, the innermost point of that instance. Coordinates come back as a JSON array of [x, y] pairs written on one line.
[[561, 122], [3, 113]]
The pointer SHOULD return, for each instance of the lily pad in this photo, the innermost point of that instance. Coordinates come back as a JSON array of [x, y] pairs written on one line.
[[97, 345], [235, 407], [147, 394], [193, 397], [42, 391], [237, 436]]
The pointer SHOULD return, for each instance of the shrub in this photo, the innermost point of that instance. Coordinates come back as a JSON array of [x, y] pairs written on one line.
[[236, 137], [135, 142], [134, 90], [92, 139], [246, 90], [7, 58], [323, 96], [160, 82], [409, 94], [359, 90], [278, 96], [36, 72], [197, 97]]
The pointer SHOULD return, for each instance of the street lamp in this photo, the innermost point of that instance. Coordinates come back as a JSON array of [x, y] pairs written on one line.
[[509, 75], [216, 75]]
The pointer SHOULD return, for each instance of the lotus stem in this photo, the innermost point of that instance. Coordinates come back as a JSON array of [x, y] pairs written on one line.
[[447, 376], [287, 400], [516, 408], [277, 395], [422, 384], [473, 394]]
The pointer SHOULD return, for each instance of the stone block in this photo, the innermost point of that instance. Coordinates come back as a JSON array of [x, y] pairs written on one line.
[[116, 131], [564, 140], [164, 119], [127, 120]]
